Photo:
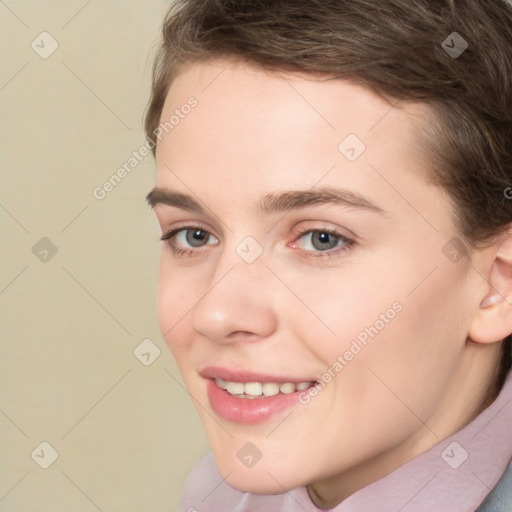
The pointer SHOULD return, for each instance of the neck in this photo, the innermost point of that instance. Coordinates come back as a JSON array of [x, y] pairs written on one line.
[[458, 406]]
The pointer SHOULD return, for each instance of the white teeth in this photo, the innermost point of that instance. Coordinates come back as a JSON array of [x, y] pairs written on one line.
[[287, 388], [253, 388], [270, 388], [257, 389], [222, 383], [235, 388]]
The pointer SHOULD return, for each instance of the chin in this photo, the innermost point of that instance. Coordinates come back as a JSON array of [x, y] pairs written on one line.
[[259, 482], [267, 476]]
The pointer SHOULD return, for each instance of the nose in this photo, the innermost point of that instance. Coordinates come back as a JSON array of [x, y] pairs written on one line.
[[237, 304]]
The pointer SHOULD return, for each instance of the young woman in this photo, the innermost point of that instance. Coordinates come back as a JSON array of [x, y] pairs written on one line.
[[334, 189]]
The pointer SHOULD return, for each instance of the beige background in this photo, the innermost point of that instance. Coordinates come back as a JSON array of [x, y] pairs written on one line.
[[126, 434]]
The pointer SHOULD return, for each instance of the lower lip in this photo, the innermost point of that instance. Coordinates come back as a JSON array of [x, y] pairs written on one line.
[[247, 410]]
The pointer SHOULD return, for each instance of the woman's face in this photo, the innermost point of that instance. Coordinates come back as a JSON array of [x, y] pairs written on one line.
[[308, 247]]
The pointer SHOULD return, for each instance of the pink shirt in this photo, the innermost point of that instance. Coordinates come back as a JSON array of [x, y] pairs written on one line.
[[454, 476]]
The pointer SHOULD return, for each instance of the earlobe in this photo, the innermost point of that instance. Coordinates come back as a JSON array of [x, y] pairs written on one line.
[[492, 321]]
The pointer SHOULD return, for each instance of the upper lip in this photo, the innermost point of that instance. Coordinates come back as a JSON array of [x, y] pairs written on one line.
[[230, 375]]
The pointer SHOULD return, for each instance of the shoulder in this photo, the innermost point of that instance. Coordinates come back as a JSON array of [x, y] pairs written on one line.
[[500, 498]]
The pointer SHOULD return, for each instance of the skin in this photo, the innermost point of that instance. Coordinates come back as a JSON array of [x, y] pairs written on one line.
[[296, 308]]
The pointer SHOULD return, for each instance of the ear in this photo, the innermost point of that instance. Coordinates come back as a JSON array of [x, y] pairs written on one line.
[[493, 320]]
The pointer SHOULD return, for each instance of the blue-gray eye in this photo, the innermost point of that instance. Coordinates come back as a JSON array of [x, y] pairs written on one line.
[[322, 240], [193, 237], [188, 238]]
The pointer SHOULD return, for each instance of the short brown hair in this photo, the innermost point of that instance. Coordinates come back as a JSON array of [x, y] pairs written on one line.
[[395, 48]]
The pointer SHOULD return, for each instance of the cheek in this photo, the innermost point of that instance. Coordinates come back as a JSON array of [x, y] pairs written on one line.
[[330, 310], [175, 299], [415, 354], [396, 321]]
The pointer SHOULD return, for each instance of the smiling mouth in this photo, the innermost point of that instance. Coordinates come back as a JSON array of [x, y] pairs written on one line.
[[255, 390]]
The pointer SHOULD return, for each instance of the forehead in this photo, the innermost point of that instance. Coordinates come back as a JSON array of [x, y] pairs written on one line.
[[332, 104], [269, 130], [291, 107]]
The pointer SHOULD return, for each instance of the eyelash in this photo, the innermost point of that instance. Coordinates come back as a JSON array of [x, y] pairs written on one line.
[[348, 242], [167, 237], [335, 251]]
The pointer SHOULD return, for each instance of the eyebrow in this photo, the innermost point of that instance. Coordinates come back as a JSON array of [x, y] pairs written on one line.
[[273, 203], [296, 199], [170, 198]]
